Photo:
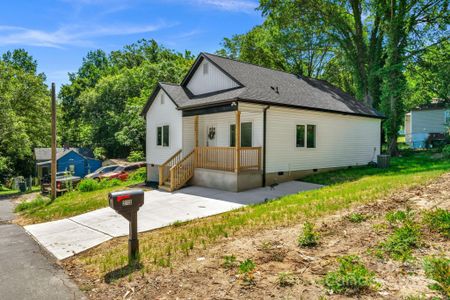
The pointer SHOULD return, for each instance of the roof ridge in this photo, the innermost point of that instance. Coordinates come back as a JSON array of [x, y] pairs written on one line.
[[252, 64]]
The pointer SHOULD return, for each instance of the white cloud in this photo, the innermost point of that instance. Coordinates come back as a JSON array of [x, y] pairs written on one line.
[[74, 35], [230, 5]]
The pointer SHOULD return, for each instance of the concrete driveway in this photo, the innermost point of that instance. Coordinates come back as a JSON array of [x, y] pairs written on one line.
[[64, 238]]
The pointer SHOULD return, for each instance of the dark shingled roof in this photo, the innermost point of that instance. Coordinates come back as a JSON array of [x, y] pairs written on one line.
[[42, 154], [267, 86]]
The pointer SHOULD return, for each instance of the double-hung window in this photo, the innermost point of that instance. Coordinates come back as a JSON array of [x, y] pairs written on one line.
[[246, 134], [162, 136], [306, 136]]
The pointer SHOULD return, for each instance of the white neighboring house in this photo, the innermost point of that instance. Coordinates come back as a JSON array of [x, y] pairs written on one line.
[[290, 126], [427, 121]]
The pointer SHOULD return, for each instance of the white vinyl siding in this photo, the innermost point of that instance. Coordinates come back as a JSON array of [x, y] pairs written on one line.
[[160, 115], [341, 140], [212, 80], [222, 123]]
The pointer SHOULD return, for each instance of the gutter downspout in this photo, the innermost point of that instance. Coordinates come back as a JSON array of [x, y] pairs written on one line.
[[264, 144]]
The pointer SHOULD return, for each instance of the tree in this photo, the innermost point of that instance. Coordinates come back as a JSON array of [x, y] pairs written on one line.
[[406, 23], [24, 113], [427, 75], [102, 104], [347, 25]]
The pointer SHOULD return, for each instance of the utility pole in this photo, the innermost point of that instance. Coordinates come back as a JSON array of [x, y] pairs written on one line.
[[53, 165]]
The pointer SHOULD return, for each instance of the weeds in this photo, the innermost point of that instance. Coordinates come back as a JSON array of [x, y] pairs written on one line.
[[308, 237], [438, 220], [405, 237], [400, 243], [438, 269], [356, 218], [399, 217], [247, 270], [286, 279], [229, 261], [352, 277], [35, 204]]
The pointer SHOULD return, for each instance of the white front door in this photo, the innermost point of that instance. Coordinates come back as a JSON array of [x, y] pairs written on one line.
[[211, 138]]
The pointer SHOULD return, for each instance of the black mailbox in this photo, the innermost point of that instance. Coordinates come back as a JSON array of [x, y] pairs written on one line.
[[127, 203]]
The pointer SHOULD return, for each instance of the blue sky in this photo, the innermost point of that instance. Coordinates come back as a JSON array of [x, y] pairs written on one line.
[[59, 33]]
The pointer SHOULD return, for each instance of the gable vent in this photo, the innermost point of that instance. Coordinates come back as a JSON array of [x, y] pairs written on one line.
[[205, 68]]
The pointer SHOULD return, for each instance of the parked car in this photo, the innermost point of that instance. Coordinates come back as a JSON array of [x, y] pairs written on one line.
[[101, 171], [63, 182], [121, 172]]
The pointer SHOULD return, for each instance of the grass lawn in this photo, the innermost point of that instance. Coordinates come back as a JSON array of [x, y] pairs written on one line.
[[162, 248], [69, 204], [7, 192]]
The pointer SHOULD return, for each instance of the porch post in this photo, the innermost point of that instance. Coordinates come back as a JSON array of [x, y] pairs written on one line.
[[196, 130], [237, 142]]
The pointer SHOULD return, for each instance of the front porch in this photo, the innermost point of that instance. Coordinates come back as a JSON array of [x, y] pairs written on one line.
[[211, 157]]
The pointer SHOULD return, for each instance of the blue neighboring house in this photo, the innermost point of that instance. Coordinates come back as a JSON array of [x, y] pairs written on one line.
[[80, 161]]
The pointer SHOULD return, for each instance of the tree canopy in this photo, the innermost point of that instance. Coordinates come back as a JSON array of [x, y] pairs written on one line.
[[102, 103], [24, 113]]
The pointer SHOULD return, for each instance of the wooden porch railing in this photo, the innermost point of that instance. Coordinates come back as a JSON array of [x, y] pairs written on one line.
[[224, 158], [250, 158], [216, 158], [165, 167], [182, 172]]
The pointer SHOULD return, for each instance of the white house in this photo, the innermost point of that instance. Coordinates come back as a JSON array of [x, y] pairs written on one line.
[[431, 119], [289, 126]]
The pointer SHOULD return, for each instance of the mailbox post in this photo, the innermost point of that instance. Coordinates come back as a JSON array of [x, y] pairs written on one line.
[[127, 204]]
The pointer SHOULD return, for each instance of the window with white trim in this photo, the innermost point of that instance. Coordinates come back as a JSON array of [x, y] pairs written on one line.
[[246, 134], [306, 136], [162, 136]]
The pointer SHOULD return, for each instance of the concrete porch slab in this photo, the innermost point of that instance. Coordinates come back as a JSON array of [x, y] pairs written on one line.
[[67, 237]]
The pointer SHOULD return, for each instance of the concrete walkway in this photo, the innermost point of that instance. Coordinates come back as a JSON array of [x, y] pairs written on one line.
[[64, 238], [26, 270]]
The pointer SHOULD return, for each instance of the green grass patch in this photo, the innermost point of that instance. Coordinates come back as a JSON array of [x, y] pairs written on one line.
[[438, 269], [70, 204], [404, 239], [356, 217], [351, 277], [5, 192], [438, 220], [345, 189]]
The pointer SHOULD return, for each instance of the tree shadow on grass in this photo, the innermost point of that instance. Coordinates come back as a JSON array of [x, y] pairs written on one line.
[[122, 272]]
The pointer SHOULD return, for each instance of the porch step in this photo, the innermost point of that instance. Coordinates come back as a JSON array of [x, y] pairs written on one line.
[[165, 187]]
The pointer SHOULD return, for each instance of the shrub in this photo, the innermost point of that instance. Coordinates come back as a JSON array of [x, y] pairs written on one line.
[[229, 261], [286, 279], [446, 151], [136, 156], [308, 237], [138, 175], [88, 185], [438, 220], [351, 277], [438, 269], [357, 218]]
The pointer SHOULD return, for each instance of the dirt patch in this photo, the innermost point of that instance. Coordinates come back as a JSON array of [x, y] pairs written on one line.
[[203, 276]]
